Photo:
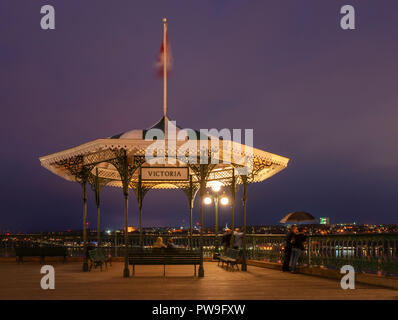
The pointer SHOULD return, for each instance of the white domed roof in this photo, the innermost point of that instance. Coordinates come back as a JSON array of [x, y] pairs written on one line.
[[138, 134], [132, 134]]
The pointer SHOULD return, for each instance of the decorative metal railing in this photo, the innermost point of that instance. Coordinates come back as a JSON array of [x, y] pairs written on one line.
[[372, 253], [367, 253]]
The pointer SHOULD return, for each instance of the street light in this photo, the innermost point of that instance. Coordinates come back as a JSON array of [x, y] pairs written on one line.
[[224, 201], [207, 200], [216, 186], [216, 197]]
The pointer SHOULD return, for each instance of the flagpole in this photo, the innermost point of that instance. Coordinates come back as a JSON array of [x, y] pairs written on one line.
[[165, 67]]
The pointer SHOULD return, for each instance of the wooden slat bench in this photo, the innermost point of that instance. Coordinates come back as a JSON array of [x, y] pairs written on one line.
[[97, 257], [41, 252], [231, 258], [164, 257]]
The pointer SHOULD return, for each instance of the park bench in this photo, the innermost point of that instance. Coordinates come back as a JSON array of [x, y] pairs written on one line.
[[106, 258], [97, 258], [231, 258], [165, 256], [41, 252]]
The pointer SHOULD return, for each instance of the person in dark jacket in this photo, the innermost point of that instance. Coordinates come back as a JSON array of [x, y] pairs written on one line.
[[288, 248], [226, 239], [237, 239], [297, 248]]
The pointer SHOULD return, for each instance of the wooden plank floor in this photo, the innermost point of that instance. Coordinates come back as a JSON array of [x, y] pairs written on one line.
[[23, 282]]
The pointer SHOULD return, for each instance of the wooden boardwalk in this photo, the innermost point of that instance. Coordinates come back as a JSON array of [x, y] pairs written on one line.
[[23, 282]]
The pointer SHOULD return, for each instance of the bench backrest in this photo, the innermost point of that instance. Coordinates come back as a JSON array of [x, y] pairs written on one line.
[[93, 254], [164, 256], [54, 251], [102, 254], [25, 251], [40, 251], [158, 250]]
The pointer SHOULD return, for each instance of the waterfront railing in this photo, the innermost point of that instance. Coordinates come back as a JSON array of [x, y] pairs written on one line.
[[370, 253]]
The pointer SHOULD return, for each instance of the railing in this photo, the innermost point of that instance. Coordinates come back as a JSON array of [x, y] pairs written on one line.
[[372, 253], [375, 253]]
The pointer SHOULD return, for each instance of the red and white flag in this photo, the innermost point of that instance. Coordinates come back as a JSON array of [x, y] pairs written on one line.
[[160, 61]]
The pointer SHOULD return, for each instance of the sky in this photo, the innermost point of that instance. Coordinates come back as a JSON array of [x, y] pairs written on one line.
[[324, 97]]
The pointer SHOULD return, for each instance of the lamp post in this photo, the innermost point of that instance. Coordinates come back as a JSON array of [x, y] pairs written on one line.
[[216, 198]]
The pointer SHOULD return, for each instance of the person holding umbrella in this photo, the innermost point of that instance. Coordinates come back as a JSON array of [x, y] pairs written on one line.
[[294, 217], [288, 248], [297, 248]]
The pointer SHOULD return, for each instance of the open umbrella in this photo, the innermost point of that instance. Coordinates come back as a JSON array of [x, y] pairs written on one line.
[[298, 216]]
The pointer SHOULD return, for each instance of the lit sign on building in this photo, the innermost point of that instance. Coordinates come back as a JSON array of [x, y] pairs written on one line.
[[324, 220], [164, 173]]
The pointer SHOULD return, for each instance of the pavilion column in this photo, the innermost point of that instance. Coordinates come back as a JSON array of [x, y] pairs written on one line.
[[126, 272], [190, 223], [191, 196], [244, 198], [84, 194], [98, 226], [201, 272], [97, 184], [140, 200], [126, 171], [233, 197], [190, 192], [123, 168], [97, 201]]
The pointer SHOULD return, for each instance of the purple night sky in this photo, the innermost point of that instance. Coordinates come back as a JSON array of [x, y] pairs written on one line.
[[323, 97]]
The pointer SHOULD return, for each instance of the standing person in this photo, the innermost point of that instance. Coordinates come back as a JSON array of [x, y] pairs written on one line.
[[237, 242], [226, 239], [297, 248], [288, 248]]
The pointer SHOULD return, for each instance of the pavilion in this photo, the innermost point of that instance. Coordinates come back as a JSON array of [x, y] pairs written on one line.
[[163, 156]]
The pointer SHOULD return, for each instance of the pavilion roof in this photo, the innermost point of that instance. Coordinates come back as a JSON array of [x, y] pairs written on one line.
[[99, 156]]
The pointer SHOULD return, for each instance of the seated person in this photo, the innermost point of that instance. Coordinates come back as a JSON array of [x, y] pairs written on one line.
[[159, 243], [171, 244]]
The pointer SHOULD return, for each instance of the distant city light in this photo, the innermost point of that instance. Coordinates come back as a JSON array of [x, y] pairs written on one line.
[[131, 229], [324, 220]]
